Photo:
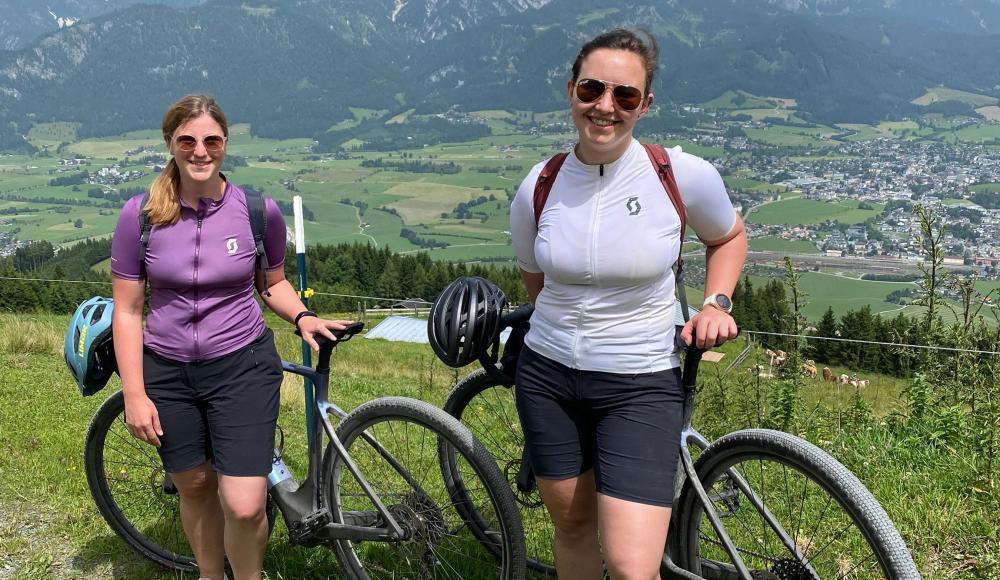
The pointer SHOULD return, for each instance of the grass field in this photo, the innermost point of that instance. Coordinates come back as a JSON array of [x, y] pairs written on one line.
[[807, 211], [790, 136], [52, 530], [777, 244], [738, 100], [937, 94]]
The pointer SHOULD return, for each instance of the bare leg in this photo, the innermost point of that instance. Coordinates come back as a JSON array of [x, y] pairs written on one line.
[[572, 505], [243, 501], [634, 536], [201, 516]]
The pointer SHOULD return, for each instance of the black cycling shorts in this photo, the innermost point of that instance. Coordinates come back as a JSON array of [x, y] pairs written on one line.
[[224, 409], [626, 427]]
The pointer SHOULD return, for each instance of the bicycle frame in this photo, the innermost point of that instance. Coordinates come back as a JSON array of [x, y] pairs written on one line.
[[308, 519], [689, 435]]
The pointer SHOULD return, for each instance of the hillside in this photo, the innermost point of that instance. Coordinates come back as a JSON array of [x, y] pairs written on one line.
[[310, 61]]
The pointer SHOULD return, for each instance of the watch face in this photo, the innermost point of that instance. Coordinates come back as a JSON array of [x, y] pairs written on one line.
[[723, 301]]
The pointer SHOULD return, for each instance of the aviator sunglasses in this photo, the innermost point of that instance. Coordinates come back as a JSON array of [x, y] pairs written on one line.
[[628, 98], [213, 143]]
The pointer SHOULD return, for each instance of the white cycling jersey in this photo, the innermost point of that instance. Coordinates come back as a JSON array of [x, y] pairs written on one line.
[[606, 241]]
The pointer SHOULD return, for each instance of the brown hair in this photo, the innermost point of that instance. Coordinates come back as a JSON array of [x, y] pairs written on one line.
[[624, 39], [164, 206]]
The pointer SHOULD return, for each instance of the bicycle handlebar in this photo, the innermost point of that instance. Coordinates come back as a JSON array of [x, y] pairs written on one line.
[[326, 345], [518, 316]]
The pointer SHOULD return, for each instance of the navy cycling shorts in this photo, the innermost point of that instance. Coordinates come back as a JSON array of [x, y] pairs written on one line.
[[626, 427], [224, 409]]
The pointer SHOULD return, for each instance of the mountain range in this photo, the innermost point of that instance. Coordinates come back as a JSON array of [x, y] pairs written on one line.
[[294, 68]]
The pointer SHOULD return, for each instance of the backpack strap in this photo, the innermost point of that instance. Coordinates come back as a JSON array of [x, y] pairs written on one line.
[[258, 225], [661, 161], [544, 183], [144, 228]]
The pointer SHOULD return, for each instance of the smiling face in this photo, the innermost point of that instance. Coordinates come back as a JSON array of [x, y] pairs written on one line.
[[605, 129], [199, 168]]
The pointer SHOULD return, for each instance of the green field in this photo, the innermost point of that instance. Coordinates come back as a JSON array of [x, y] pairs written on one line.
[[791, 136], [806, 211], [937, 94], [777, 244], [53, 530], [842, 294], [738, 100]]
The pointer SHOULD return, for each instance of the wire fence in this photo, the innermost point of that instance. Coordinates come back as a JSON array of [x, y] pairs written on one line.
[[420, 304]]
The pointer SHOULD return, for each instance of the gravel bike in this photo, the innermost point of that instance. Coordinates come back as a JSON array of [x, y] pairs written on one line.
[[756, 504], [376, 494]]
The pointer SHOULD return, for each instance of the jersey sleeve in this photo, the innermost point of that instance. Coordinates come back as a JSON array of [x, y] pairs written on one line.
[[125, 242], [709, 211], [522, 222], [275, 236]]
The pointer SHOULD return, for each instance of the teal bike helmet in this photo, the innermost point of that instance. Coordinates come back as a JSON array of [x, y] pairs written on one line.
[[88, 349]]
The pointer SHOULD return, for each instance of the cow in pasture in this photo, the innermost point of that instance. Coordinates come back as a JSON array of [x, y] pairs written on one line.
[[828, 375], [776, 358], [809, 369], [844, 379], [863, 383]]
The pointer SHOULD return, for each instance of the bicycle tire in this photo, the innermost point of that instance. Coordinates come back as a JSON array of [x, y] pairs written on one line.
[[488, 410], [133, 501], [860, 537], [439, 542]]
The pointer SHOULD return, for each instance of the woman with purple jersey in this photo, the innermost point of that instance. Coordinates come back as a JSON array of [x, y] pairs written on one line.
[[201, 381]]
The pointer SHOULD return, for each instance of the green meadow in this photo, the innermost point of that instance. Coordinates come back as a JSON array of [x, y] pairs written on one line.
[[808, 211], [778, 244], [52, 530], [937, 94]]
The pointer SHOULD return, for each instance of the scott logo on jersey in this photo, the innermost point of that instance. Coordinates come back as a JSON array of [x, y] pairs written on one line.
[[231, 246], [633, 206]]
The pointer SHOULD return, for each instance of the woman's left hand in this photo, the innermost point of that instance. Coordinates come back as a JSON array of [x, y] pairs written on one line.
[[311, 325], [711, 327]]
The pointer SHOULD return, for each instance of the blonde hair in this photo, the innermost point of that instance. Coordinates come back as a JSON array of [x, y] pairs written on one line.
[[164, 205]]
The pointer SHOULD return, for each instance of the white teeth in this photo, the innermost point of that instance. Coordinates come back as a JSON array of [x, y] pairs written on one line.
[[602, 122]]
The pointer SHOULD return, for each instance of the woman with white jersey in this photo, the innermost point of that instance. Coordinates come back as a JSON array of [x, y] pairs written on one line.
[[598, 388]]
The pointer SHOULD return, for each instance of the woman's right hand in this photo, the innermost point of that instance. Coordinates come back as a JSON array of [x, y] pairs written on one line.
[[142, 419]]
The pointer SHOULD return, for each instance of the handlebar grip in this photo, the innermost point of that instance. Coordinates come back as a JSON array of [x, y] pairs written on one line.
[[520, 315], [685, 347], [342, 335]]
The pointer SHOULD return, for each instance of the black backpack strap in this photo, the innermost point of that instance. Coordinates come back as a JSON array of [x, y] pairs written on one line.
[[144, 228], [258, 225]]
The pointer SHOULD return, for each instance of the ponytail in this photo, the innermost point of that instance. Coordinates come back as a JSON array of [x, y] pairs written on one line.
[[164, 206]]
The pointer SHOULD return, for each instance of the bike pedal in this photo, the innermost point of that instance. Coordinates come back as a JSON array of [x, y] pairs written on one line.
[[302, 531]]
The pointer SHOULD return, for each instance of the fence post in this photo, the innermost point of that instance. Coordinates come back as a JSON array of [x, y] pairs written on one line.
[[300, 262]]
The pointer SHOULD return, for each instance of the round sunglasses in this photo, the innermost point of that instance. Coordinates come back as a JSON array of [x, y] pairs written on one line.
[[628, 98], [213, 143]]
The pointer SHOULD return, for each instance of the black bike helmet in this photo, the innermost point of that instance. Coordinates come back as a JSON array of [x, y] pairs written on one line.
[[465, 320]]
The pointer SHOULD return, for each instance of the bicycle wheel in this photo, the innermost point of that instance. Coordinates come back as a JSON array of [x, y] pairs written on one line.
[[394, 443], [132, 492], [816, 519], [488, 410]]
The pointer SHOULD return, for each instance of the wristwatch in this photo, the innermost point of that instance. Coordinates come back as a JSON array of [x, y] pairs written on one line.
[[720, 301]]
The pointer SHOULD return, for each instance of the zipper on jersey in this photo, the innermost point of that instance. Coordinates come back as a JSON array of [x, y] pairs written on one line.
[[594, 221], [197, 253]]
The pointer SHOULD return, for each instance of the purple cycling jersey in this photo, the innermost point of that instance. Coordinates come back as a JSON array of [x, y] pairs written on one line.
[[201, 275]]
